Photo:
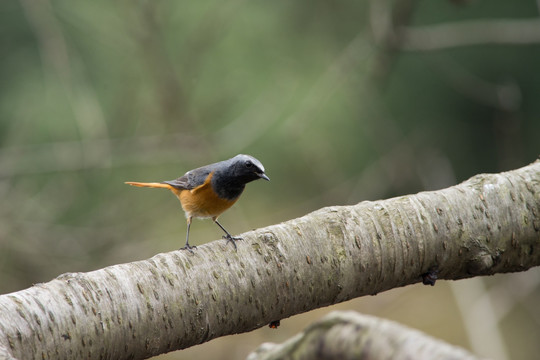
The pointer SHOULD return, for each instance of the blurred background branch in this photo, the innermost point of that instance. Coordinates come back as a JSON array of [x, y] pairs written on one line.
[[469, 33], [350, 335]]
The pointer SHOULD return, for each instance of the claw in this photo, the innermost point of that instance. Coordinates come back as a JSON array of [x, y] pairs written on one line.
[[188, 248], [229, 238]]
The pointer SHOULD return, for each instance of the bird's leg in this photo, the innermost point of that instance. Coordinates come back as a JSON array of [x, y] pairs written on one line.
[[228, 237], [187, 246]]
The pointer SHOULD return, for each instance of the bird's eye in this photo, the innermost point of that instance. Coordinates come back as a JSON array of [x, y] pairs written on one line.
[[249, 164]]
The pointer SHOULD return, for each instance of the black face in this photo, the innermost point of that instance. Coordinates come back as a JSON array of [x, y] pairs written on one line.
[[233, 175], [249, 171]]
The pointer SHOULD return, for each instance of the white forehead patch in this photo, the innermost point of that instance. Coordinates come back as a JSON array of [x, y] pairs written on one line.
[[256, 162]]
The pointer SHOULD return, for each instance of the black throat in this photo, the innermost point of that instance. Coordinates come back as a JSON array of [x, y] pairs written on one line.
[[228, 187]]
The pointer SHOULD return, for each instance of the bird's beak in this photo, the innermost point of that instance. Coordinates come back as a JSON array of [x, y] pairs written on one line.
[[263, 176]]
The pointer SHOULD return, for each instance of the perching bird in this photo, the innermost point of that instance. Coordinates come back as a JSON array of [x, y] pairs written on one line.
[[208, 191]]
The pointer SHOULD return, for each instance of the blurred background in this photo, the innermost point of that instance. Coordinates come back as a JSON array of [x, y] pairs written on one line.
[[342, 101]]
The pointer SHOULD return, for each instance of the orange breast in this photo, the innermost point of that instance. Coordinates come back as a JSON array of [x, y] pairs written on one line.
[[202, 201]]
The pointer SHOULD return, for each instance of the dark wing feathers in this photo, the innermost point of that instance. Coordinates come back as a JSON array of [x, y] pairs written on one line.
[[181, 183], [191, 179]]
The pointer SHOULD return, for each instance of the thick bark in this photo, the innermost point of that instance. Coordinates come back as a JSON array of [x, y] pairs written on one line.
[[348, 335], [486, 225]]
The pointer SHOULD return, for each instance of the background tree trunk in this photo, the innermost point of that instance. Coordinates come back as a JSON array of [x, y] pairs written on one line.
[[486, 225]]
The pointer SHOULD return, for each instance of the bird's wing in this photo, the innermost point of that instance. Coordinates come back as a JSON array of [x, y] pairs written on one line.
[[191, 179], [182, 183]]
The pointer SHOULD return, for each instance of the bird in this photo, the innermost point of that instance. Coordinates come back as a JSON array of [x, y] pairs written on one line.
[[207, 191]]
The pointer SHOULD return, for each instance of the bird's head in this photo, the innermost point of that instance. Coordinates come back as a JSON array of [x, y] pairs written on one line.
[[247, 168]]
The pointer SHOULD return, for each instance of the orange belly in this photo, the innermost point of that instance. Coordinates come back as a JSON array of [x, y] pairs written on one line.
[[203, 201]]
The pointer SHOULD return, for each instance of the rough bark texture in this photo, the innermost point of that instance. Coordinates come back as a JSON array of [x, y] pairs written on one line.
[[347, 335], [486, 225]]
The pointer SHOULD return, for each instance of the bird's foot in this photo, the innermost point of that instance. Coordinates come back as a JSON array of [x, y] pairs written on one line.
[[188, 248], [232, 239]]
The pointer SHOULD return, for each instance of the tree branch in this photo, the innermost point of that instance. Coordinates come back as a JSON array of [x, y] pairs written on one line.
[[468, 33], [348, 335], [486, 225]]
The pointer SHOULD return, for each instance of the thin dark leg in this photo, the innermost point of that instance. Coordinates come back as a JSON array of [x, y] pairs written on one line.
[[187, 246], [229, 237]]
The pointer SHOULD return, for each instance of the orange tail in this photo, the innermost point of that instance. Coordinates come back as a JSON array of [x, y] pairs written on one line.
[[152, 185]]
